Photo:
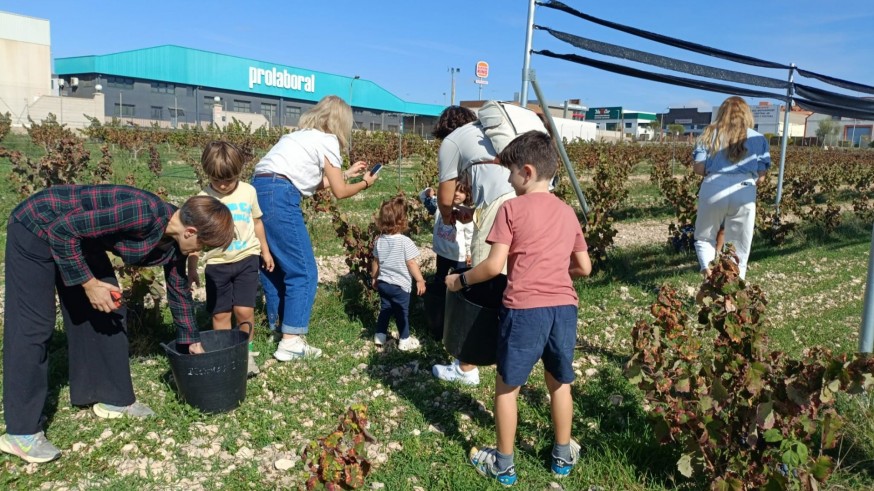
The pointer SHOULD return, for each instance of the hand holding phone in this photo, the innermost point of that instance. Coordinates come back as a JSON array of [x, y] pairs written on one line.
[[376, 169]]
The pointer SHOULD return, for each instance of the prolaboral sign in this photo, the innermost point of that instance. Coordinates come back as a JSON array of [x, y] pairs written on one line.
[[281, 79]]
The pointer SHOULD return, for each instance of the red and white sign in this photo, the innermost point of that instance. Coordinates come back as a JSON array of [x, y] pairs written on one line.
[[482, 69]]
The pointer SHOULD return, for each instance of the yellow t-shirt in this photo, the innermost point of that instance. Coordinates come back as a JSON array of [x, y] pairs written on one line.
[[243, 203]]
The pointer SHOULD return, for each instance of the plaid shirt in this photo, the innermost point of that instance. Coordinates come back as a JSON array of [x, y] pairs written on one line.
[[126, 221]]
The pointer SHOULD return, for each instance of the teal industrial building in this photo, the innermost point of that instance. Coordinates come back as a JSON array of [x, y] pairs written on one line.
[[174, 85]]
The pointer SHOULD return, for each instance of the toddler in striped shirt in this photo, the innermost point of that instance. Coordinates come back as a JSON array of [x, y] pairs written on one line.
[[393, 270]]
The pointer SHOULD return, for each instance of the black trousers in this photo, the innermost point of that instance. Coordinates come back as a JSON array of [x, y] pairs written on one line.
[[97, 343]]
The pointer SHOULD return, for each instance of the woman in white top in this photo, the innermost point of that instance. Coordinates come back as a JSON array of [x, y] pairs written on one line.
[[297, 166], [733, 159]]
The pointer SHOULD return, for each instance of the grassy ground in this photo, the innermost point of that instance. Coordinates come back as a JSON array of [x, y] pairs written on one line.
[[424, 427]]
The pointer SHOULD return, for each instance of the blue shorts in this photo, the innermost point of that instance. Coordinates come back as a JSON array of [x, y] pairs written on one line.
[[542, 333]]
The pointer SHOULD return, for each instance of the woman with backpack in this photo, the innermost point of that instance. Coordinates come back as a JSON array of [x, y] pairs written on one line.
[[467, 151]]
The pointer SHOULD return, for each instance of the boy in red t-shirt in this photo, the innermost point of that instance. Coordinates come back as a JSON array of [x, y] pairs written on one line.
[[540, 239]]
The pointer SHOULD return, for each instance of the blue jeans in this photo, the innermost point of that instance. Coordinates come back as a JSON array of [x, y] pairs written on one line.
[[290, 289], [393, 300]]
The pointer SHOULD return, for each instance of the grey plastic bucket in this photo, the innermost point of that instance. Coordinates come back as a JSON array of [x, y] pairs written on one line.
[[214, 381], [470, 322]]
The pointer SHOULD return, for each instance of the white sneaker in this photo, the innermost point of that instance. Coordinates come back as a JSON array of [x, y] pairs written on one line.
[[453, 373], [379, 338], [295, 348], [408, 344]]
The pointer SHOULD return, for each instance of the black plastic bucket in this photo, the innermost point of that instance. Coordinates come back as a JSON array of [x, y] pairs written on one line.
[[435, 303], [215, 381], [470, 323]]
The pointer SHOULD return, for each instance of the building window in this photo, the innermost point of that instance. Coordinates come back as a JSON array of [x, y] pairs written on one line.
[[292, 115], [127, 111], [208, 103], [157, 113], [375, 126], [120, 83], [163, 88], [628, 125], [242, 106], [269, 111]]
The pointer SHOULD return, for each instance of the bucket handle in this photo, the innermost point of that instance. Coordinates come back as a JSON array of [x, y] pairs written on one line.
[[168, 350], [251, 326]]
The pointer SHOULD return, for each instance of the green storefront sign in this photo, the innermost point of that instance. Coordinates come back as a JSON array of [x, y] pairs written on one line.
[[598, 113]]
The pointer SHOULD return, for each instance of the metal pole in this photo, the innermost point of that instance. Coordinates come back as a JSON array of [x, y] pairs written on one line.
[[564, 114], [784, 140], [452, 72], [866, 332], [561, 151], [526, 61], [400, 147]]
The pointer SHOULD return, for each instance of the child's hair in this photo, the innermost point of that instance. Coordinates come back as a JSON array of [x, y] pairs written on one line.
[[534, 148], [331, 115], [392, 218], [463, 186], [451, 118], [222, 161]]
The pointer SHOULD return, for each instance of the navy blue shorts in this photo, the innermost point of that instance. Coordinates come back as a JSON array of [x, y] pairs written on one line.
[[232, 285], [542, 333]]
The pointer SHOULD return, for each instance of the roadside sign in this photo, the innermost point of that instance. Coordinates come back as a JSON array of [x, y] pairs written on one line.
[[604, 113], [482, 69], [481, 82]]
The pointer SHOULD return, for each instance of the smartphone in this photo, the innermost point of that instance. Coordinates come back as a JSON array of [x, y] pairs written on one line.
[[376, 168]]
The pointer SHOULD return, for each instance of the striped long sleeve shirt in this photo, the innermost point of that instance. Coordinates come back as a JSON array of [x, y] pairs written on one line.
[[123, 220]]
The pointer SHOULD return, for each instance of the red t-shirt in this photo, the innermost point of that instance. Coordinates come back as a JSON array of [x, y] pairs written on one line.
[[542, 232]]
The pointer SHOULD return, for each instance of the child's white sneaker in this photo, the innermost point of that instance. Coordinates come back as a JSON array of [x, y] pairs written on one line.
[[454, 373], [379, 338], [408, 344], [295, 348]]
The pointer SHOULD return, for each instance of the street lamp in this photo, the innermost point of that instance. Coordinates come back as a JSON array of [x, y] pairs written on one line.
[[356, 77], [452, 72], [662, 126]]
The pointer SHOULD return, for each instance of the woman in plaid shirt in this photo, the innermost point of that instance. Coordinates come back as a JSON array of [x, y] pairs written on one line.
[[57, 240]]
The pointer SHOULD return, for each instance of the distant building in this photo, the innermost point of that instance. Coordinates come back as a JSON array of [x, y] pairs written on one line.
[[640, 125], [174, 85], [27, 89], [693, 121]]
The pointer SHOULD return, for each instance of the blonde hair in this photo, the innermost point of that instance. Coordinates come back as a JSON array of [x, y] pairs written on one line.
[[729, 130], [331, 115]]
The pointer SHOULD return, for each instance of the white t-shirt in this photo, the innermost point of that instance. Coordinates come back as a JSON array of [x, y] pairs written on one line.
[[393, 252], [300, 156], [452, 241]]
